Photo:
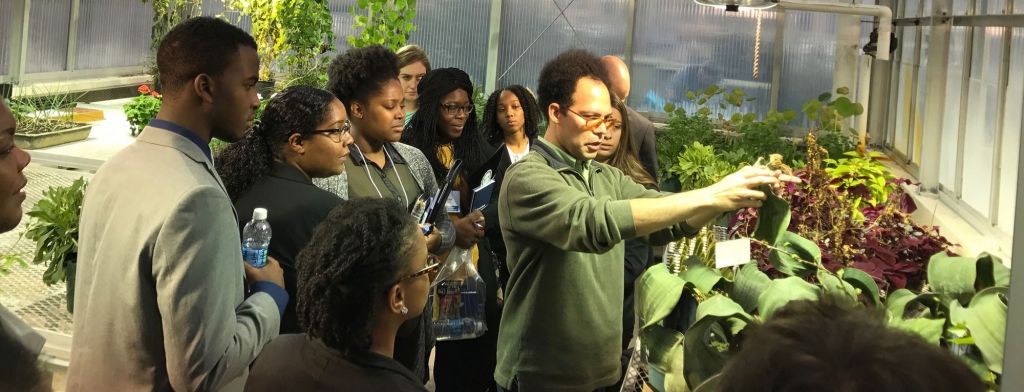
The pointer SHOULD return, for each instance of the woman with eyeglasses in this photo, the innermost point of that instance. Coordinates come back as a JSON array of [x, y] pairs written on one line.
[[616, 150], [445, 129], [510, 123], [363, 275], [302, 134], [413, 65], [365, 80]]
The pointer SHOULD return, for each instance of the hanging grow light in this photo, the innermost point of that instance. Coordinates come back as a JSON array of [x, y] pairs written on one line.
[[736, 5]]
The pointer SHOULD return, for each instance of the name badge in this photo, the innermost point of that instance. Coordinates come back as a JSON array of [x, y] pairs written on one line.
[[453, 204]]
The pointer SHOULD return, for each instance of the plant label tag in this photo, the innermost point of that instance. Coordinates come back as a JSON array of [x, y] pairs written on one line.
[[732, 253]]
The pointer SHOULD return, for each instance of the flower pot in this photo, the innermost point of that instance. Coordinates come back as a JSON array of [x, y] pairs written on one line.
[[70, 267], [50, 139]]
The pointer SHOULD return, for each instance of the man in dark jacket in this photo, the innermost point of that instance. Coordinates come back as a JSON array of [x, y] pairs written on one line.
[[643, 129]]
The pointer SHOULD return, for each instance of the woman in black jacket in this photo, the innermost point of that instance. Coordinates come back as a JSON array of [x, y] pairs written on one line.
[[302, 134], [510, 123]]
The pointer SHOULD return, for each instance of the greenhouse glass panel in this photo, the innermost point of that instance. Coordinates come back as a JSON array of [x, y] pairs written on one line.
[[342, 23], [960, 7], [6, 26], [102, 44], [459, 42], [905, 89], [951, 114], [808, 61], [49, 22], [535, 31], [218, 8], [917, 130], [1010, 142], [981, 124], [995, 7], [673, 53]]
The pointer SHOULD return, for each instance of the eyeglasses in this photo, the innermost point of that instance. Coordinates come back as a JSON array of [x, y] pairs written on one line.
[[454, 109], [433, 262], [336, 134], [593, 123]]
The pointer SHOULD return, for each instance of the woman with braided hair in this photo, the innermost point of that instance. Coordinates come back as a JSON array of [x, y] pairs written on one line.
[[445, 129], [365, 273], [302, 134]]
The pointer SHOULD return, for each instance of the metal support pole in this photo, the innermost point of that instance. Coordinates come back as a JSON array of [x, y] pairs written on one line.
[[777, 56], [493, 44], [997, 153], [630, 35], [22, 45], [878, 99], [1014, 347], [935, 97], [72, 58]]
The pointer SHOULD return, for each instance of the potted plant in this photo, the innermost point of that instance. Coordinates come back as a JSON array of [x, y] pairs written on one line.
[[47, 121], [53, 226], [142, 109]]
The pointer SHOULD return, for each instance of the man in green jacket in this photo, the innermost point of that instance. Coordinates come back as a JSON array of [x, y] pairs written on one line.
[[564, 218]]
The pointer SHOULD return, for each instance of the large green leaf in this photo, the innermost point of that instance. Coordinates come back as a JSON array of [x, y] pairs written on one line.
[[706, 347], [703, 278], [862, 281], [722, 306], [986, 319], [929, 329], [657, 293], [991, 272], [952, 275], [750, 282], [795, 255], [896, 302], [772, 218], [833, 285], [782, 291], [665, 352]]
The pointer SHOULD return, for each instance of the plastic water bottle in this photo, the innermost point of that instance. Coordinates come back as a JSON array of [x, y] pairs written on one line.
[[256, 239]]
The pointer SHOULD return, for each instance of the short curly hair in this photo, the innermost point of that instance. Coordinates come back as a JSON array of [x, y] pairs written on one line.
[[834, 344], [202, 45], [358, 73], [351, 260], [558, 78], [531, 114]]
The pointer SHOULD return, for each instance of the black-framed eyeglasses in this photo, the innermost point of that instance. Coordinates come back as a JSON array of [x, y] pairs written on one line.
[[433, 262], [591, 124], [454, 109], [335, 134]]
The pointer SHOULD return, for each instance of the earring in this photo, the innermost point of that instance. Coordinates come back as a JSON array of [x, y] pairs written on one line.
[[405, 310]]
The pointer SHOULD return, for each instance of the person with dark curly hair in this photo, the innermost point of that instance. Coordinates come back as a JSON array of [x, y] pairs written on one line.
[[160, 298], [510, 123], [365, 80], [564, 218], [302, 134], [413, 65], [445, 129], [832, 344], [364, 273]]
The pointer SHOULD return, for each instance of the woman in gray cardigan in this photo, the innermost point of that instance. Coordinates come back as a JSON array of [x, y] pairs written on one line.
[[365, 80]]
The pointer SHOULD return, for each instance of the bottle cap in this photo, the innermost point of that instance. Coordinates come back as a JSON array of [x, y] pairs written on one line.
[[259, 214]]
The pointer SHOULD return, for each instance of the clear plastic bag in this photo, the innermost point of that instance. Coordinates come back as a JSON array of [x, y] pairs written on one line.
[[458, 295]]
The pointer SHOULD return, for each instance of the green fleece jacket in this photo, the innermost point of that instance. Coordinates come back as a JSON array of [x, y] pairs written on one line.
[[561, 327]]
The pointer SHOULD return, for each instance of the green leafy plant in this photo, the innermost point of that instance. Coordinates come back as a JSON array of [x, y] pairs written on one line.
[[382, 22], [47, 112], [168, 13], [142, 108], [290, 35], [829, 112], [699, 166], [53, 226], [862, 180]]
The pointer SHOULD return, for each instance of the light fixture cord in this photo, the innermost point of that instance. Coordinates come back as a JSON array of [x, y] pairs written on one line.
[[757, 45]]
